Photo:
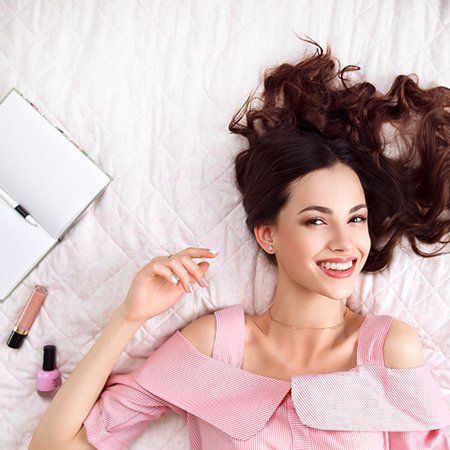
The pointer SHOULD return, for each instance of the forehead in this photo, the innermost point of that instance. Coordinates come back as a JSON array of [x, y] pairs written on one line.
[[336, 184]]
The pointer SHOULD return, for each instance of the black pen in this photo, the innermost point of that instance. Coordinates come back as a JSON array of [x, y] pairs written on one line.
[[20, 209]]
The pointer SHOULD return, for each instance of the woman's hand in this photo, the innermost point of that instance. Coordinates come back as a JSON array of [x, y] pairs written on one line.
[[153, 290]]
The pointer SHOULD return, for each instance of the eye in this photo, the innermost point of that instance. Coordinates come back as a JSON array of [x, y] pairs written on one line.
[[363, 219], [311, 221], [314, 219]]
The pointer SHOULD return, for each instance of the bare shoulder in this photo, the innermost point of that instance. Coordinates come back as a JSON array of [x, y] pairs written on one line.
[[201, 333], [402, 346]]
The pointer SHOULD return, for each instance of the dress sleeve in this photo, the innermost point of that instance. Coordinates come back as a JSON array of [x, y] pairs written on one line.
[[122, 412], [419, 440]]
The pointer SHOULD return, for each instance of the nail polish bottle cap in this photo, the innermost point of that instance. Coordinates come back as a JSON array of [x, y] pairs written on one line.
[[49, 363]]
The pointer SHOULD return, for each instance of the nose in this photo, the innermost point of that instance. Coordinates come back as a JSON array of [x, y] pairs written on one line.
[[341, 239]]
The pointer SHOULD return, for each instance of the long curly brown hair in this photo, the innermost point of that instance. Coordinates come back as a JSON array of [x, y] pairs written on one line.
[[306, 123]]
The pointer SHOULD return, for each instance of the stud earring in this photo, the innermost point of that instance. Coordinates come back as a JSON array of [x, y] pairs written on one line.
[[270, 248]]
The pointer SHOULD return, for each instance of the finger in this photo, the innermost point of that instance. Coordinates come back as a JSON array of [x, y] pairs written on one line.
[[198, 252], [165, 272], [180, 271], [194, 270]]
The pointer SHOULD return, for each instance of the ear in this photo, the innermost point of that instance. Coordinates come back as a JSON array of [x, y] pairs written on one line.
[[263, 235]]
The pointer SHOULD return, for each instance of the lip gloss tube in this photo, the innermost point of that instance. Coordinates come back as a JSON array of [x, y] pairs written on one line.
[[26, 319]]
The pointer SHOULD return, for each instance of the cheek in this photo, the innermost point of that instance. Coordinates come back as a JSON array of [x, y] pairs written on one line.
[[298, 250], [305, 250], [365, 241], [303, 243], [363, 244]]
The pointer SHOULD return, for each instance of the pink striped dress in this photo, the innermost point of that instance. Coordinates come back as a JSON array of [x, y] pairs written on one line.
[[370, 406]]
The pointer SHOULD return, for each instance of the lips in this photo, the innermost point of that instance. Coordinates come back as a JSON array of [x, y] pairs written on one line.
[[337, 273]]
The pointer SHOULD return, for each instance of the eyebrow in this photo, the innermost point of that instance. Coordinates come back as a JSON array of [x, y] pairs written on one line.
[[325, 210]]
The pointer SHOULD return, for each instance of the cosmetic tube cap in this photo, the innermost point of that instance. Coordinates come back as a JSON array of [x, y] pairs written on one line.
[[16, 339]]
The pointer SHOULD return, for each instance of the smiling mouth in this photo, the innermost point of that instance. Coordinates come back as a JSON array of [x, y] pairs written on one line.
[[353, 263], [338, 273]]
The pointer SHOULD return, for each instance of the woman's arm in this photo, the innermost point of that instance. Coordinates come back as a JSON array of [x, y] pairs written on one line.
[[64, 417], [153, 291]]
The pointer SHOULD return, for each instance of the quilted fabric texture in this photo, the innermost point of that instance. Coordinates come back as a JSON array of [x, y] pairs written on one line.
[[147, 89]]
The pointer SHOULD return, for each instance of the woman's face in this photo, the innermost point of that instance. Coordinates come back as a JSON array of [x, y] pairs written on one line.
[[304, 237]]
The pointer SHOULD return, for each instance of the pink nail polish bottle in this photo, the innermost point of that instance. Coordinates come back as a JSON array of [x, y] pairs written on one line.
[[48, 378]]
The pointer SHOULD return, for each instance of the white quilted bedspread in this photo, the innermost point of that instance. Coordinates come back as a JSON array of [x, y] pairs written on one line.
[[148, 88]]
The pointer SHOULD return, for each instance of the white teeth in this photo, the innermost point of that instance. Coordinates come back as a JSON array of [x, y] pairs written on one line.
[[336, 266]]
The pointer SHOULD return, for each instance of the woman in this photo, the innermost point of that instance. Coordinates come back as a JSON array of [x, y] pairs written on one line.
[[325, 203]]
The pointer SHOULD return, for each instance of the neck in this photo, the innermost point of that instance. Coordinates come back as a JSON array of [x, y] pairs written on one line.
[[297, 327], [304, 309]]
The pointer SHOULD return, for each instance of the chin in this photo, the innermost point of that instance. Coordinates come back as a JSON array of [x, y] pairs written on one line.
[[340, 294]]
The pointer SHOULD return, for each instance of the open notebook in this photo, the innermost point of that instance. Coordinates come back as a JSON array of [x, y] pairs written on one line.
[[46, 173]]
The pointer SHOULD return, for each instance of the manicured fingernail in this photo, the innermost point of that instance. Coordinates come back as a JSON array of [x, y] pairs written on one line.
[[190, 288], [214, 251], [174, 279], [205, 281]]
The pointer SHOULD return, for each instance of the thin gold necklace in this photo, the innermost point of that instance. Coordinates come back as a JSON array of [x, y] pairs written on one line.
[[334, 327]]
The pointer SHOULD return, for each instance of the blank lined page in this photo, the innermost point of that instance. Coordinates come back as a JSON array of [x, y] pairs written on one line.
[[41, 169], [22, 246]]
